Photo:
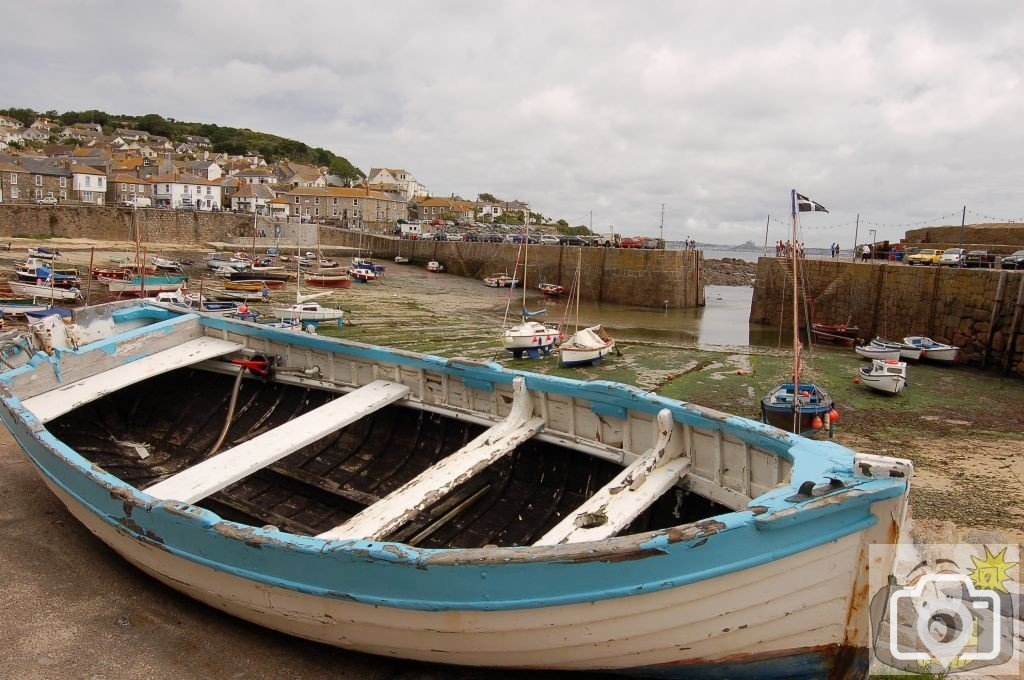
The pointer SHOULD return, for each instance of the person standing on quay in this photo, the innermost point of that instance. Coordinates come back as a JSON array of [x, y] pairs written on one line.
[[865, 253]]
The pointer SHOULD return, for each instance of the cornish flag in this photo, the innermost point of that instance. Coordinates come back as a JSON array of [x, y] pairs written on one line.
[[804, 204]]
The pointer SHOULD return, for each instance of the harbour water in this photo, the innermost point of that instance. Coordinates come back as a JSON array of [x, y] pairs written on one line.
[[722, 321]]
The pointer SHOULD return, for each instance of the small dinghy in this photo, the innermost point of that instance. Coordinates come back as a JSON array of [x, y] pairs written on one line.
[[873, 351], [451, 510], [885, 375], [933, 351], [587, 346], [908, 352]]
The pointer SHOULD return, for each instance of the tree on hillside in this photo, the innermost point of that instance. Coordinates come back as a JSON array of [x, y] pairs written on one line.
[[25, 116], [489, 198], [155, 125]]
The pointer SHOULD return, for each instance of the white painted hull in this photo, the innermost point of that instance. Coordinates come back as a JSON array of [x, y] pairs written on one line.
[[324, 314], [708, 621], [945, 355], [34, 290], [890, 384], [529, 335], [874, 352]]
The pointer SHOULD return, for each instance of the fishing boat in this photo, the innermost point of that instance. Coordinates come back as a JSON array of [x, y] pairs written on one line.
[[152, 283], [328, 280], [164, 264], [37, 314], [586, 346], [307, 311], [885, 375], [193, 302], [872, 351], [260, 295], [908, 352], [839, 334], [367, 263], [44, 290], [401, 260], [932, 350], [21, 306], [434, 266], [550, 289], [454, 511], [35, 269], [43, 253], [362, 274], [275, 278], [795, 406], [501, 280], [215, 261]]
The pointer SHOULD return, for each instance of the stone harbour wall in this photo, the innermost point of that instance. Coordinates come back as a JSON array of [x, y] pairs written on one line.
[[110, 223], [978, 310], [642, 278]]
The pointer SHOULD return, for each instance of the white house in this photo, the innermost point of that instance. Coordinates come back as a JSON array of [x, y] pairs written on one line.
[[256, 176], [395, 180], [207, 169], [186, 191], [89, 184], [252, 198], [6, 122]]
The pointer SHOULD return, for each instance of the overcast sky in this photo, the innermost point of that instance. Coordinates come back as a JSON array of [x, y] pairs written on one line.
[[903, 112]]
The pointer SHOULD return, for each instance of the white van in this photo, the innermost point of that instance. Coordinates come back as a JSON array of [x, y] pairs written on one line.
[[138, 202]]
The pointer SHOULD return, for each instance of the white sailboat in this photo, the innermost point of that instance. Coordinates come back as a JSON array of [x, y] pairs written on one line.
[[304, 310], [528, 337], [586, 346]]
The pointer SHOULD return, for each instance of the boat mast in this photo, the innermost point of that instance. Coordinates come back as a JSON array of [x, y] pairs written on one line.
[[526, 256], [796, 324]]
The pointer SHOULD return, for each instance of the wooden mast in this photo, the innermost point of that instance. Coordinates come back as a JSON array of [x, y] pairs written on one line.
[[796, 324]]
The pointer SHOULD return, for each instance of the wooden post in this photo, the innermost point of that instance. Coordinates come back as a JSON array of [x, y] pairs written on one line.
[[88, 287], [1014, 325], [996, 306]]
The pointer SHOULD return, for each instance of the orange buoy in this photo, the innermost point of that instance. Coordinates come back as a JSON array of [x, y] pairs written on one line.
[[816, 423], [856, 381], [833, 415], [805, 393]]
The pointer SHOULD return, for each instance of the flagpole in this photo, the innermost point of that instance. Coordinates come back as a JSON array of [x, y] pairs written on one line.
[[766, 225], [856, 230]]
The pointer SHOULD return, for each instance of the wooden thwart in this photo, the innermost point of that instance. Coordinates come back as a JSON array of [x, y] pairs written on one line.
[[380, 519], [58, 401], [227, 467], [633, 490]]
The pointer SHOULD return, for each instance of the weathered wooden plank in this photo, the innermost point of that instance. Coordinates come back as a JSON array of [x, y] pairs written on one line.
[[380, 519], [60, 400], [218, 472], [619, 502]]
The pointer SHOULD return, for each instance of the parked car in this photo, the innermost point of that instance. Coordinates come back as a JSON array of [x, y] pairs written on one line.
[[952, 257], [1015, 261], [46, 200], [453, 237], [571, 240], [631, 242], [980, 258], [925, 256], [549, 239]]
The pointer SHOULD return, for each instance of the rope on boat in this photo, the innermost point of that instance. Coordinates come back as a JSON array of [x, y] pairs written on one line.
[[231, 410]]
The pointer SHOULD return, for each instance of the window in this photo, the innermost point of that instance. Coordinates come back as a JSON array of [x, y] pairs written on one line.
[[317, 212], [355, 202], [14, 178], [316, 200], [124, 187], [39, 180], [296, 200], [99, 181], [14, 192], [63, 195], [39, 193], [63, 182], [167, 188], [335, 201], [88, 181]]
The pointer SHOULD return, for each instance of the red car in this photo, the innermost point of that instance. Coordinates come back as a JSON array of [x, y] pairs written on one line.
[[631, 242]]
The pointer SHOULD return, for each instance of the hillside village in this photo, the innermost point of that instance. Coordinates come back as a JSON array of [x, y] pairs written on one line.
[[48, 163]]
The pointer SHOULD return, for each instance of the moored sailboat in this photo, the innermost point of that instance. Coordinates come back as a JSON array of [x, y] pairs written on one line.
[[528, 337], [586, 346], [799, 407]]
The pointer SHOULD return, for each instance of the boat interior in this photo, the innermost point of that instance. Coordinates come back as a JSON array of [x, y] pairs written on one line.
[[151, 431]]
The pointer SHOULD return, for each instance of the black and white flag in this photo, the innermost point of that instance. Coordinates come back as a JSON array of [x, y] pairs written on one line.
[[804, 204]]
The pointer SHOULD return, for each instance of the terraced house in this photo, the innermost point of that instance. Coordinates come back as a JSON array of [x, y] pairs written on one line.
[[352, 208], [444, 209]]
